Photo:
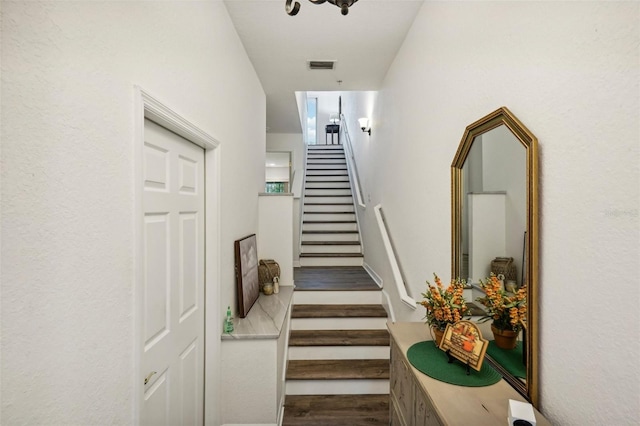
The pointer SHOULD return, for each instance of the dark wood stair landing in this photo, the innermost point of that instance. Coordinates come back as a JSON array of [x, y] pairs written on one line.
[[332, 278]]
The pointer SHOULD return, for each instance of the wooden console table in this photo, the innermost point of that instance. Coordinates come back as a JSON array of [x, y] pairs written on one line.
[[417, 399]]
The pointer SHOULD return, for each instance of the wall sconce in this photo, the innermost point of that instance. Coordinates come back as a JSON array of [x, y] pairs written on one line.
[[364, 125]]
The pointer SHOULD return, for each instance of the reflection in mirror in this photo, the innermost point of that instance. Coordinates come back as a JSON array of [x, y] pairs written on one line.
[[494, 208], [494, 229]]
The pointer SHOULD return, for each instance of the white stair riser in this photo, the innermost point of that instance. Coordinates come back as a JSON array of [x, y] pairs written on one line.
[[325, 159], [329, 226], [336, 387], [324, 173], [331, 248], [329, 200], [327, 192], [331, 261], [328, 216], [372, 297], [313, 179], [339, 185], [357, 323], [338, 352], [328, 207], [330, 237]]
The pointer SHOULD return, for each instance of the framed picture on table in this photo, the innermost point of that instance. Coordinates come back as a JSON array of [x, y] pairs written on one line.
[[246, 260]]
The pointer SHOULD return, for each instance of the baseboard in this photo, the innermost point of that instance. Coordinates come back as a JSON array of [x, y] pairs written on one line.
[[375, 277], [388, 307], [296, 263]]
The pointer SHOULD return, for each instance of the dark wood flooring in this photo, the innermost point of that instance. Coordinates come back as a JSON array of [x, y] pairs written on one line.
[[339, 338], [338, 369], [333, 278], [338, 311], [336, 410]]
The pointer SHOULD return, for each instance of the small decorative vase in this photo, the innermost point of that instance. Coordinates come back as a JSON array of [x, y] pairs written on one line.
[[438, 335], [505, 339]]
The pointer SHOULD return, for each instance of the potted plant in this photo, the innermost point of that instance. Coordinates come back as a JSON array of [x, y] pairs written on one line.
[[444, 305], [507, 310]]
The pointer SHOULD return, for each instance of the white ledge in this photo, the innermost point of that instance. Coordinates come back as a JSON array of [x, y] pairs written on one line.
[[265, 319]]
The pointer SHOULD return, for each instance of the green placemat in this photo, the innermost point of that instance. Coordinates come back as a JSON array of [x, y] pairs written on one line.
[[510, 359], [433, 362]]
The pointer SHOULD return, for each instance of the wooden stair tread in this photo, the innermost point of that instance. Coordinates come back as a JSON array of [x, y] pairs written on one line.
[[333, 278], [339, 338], [338, 311], [329, 232], [310, 195], [338, 369], [330, 243], [328, 188], [328, 221], [336, 410], [306, 212], [328, 204], [331, 255]]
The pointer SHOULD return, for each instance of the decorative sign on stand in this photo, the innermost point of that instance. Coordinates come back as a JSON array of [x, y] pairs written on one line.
[[463, 341]]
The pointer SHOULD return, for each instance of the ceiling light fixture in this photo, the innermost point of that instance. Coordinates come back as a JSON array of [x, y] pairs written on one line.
[[295, 8]]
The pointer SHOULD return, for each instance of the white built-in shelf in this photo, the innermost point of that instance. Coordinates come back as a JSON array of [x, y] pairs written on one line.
[[265, 319]]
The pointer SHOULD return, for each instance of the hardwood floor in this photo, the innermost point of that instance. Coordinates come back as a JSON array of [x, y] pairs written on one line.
[[337, 369], [338, 311], [339, 338], [337, 410], [334, 278]]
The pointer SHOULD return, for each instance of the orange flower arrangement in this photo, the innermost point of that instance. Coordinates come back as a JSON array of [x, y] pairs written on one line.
[[444, 305], [508, 312]]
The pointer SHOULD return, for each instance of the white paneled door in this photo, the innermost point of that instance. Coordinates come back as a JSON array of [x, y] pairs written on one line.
[[173, 284]]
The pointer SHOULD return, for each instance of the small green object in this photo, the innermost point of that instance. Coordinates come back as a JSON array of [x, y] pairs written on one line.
[[433, 362], [228, 321]]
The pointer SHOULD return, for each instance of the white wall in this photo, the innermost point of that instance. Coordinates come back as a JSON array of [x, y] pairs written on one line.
[[69, 70], [569, 71], [294, 143], [327, 105], [275, 232]]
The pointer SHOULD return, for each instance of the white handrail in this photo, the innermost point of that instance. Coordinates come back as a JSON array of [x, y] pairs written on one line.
[[351, 162], [395, 267]]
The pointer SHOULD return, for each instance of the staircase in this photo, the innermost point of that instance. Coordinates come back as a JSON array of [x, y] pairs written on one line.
[[330, 234], [338, 371]]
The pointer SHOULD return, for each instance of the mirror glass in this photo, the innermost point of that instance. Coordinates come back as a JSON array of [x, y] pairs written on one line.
[[494, 205], [494, 208]]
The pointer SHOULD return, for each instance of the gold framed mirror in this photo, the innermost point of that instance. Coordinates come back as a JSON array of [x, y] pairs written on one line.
[[494, 200]]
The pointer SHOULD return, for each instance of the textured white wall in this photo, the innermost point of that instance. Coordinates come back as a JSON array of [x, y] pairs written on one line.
[[275, 233], [569, 71], [68, 76], [293, 143]]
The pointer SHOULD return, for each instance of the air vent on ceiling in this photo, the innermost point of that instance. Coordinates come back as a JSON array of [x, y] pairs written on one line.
[[321, 65]]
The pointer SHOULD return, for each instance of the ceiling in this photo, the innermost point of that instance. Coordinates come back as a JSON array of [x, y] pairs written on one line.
[[364, 43]]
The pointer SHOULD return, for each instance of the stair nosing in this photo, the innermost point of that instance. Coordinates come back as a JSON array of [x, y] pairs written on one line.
[[348, 369], [314, 231]]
